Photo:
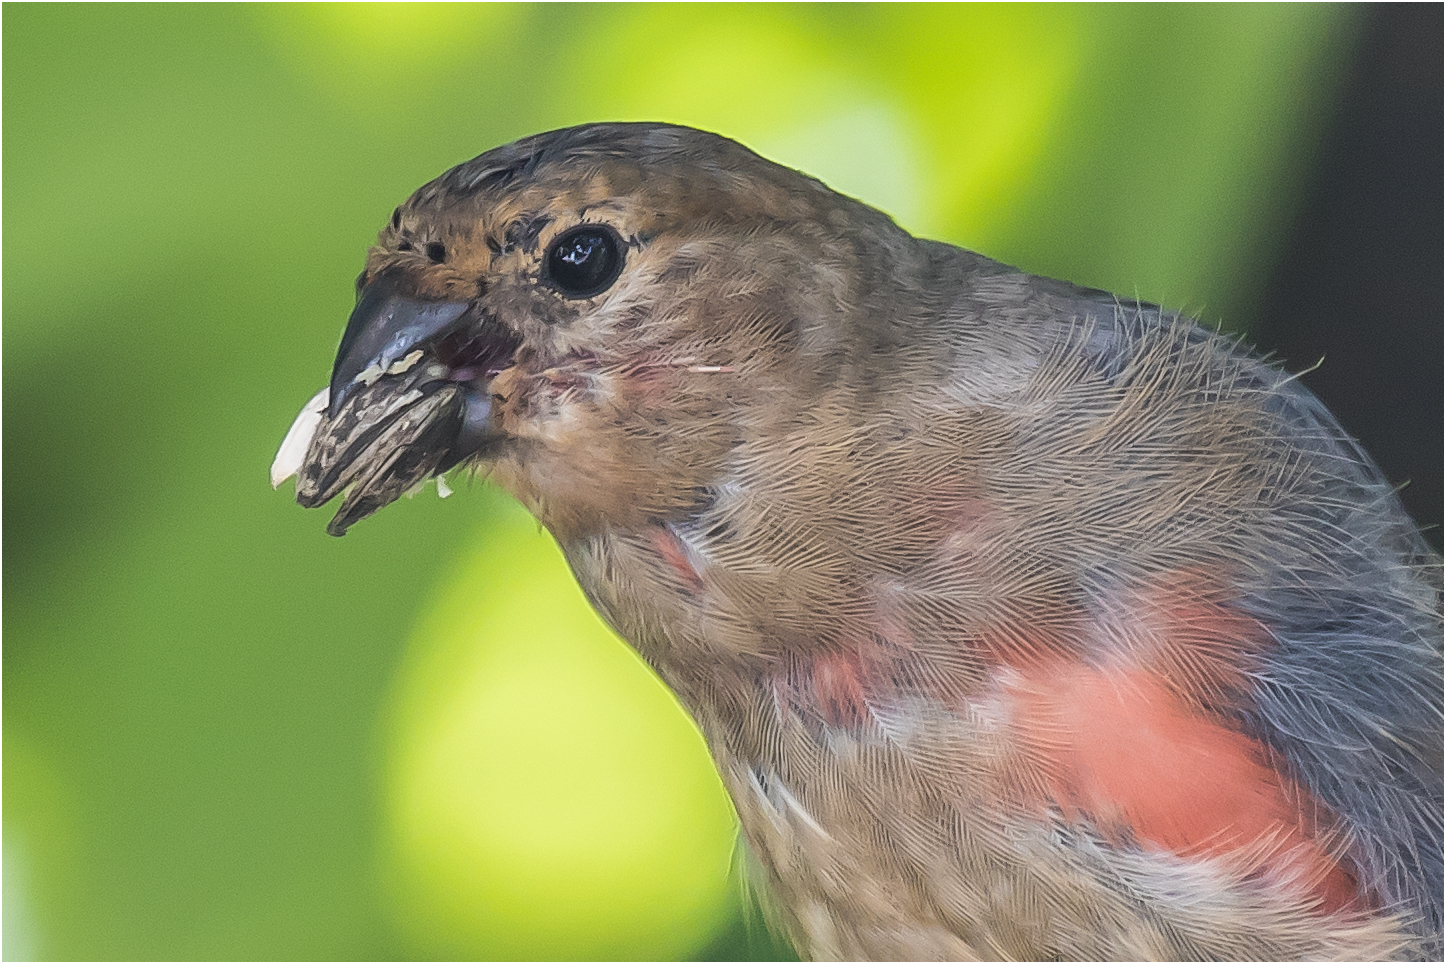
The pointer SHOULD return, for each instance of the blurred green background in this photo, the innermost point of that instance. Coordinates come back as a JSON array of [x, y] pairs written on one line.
[[228, 736]]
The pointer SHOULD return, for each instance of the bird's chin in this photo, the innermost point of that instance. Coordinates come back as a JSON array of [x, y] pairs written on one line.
[[389, 437]]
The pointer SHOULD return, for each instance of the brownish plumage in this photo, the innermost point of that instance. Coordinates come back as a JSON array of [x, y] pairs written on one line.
[[1021, 622]]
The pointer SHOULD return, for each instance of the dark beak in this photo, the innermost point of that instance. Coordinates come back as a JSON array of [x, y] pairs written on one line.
[[385, 326], [408, 399]]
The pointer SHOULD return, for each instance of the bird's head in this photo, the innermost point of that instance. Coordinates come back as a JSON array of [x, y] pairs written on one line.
[[589, 316]]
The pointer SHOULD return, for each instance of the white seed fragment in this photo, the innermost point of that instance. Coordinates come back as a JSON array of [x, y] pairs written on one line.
[[369, 374], [403, 364], [293, 448], [443, 489]]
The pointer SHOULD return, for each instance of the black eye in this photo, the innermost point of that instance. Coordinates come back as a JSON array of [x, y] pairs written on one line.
[[584, 261], [436, 252]]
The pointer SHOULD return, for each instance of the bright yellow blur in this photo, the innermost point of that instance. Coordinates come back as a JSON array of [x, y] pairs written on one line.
[[546, 795]]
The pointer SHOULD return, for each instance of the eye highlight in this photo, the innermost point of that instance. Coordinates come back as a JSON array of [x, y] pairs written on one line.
[[583, 261]]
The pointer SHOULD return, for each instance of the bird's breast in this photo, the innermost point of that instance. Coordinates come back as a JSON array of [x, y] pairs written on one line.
[[919, 773]]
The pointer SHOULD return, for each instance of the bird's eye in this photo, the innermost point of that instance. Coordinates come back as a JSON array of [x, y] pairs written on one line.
[[584, 261]]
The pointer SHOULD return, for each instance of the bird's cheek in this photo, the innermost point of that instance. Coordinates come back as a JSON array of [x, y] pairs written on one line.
[[532, 406], [507, 396]]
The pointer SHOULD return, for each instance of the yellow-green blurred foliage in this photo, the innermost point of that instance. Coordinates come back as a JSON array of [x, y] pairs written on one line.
[[229, 736]]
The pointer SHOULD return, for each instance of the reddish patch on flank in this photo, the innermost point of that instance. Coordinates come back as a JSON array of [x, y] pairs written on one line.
[[828, 686], [1125, 750], [668, 546], [1183, 629]]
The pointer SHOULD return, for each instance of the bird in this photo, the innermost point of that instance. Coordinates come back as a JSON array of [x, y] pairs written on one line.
[[1022, 621]]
